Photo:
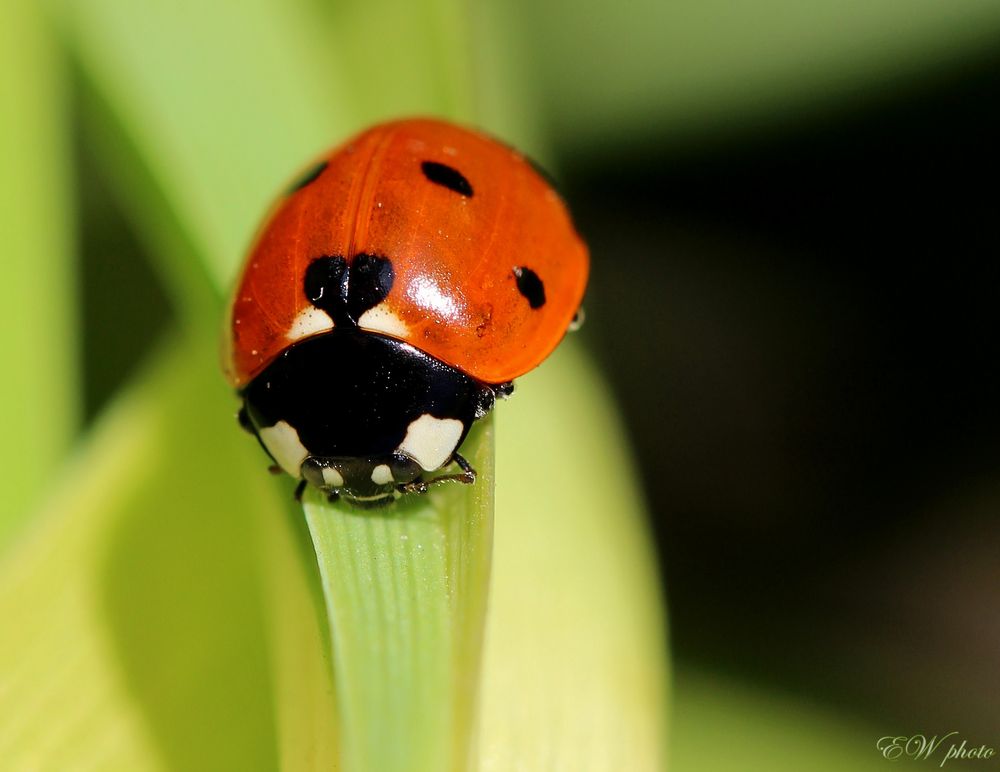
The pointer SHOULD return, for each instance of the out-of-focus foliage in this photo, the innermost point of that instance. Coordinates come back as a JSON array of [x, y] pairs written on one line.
[[724, 725], [162, 605], [137, 637], [649, 69], [37, 303]]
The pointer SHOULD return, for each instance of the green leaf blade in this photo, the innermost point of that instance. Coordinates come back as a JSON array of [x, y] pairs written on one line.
[[219, 140], [405, 588], [140, 634], [724, 724], [575, 665], [38, 308]]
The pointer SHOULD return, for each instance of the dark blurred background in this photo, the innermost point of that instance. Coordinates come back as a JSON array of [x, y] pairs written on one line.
[[802, 328]]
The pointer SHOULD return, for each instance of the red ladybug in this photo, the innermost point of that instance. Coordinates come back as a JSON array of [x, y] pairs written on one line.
[[393, 294]]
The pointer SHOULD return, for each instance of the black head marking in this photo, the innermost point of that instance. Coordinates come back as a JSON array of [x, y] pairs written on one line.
[[309, 176], [370, 280], [345, 291], [529, 285], [446, 176]]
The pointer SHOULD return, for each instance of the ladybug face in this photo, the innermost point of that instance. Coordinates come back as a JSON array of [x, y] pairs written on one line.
[[396, 290]]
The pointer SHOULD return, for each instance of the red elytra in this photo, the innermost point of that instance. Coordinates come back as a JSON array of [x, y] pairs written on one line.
[[458, 244]]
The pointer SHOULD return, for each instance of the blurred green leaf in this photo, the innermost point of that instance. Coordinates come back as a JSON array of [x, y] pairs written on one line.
[[651, 70], [404, 58], [139, 635], [575, 672], [723, 725], [307, 723], [505, 97], [221, 104], [38, 310]]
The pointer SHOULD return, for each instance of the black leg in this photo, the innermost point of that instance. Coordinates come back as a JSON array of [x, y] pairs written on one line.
[[468, 473], [467, 476], [244, 420], [504, 390], [298, 490]]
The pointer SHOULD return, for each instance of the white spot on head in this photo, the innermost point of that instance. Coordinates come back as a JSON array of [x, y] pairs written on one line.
[[382, 474], [282, 442], [332, 477], [380, 319], [431, 441], [310, 321]]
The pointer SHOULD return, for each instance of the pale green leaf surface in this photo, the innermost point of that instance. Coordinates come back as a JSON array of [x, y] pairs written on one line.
[[404, 57], [223, 103], [62, 698], [649, 68], [724, 725], [37, 305], [406, 593], [505, 96], [135, 635], [575, 672], [306, 719]]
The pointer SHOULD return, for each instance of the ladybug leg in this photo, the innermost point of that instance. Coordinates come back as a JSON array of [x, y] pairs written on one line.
[[244, 419], [467, 476], [332, 496], [247, 425], [298, 490], [504, 390], [417, 486]]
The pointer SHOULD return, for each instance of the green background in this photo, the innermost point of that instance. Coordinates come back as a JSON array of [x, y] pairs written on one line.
[[787, 357]]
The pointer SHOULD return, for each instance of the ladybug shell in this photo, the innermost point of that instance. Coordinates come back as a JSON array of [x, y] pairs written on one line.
[[487, 270]]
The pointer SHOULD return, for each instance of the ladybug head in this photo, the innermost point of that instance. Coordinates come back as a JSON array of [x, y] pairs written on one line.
[[365, 481]]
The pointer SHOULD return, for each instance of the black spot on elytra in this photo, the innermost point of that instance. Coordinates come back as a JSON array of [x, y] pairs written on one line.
[[368, 284], [345, 291], [529, 285], [309, 176], [326, 286], [441, 174]]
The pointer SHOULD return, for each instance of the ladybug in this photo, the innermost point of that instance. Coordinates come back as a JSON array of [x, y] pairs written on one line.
[[393, 294]]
